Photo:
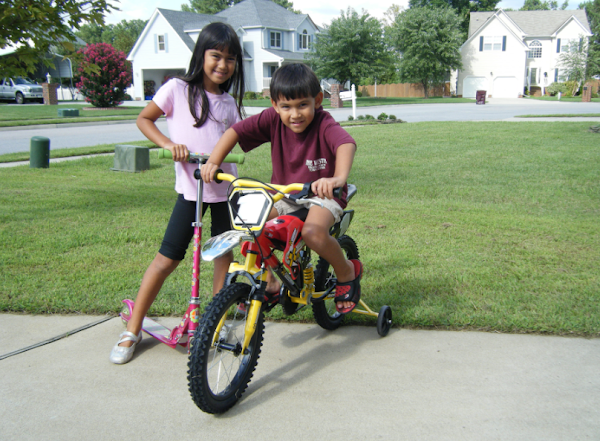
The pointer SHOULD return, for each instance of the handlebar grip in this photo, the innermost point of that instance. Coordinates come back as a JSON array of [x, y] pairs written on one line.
[[337, 192], [237, 158]]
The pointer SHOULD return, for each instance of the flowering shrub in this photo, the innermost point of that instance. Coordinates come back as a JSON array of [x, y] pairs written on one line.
[[105, 86]]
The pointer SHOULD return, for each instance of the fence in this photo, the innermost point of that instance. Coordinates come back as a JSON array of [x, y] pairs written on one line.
[[404, 90]]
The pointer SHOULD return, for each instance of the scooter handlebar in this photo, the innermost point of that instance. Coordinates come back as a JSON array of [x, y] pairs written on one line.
[[232, 157]]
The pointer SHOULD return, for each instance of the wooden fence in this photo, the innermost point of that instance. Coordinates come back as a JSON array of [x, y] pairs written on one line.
[[406, 90]]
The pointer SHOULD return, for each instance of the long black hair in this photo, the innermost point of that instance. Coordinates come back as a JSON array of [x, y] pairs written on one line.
[[219, 36]]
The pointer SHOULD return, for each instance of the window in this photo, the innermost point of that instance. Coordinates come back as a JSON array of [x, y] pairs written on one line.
[[567, 44], [161, 42], [276, 39], [535, 49], [492, 43], [304, 40]]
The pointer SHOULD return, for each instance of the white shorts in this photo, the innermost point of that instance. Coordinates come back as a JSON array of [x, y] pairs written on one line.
[[285, 206]]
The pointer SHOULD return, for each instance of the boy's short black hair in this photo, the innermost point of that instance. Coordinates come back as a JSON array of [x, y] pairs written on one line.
[[294, 81]]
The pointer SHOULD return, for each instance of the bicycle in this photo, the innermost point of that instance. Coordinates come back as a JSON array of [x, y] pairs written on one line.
[[225, 352], [183, 334]]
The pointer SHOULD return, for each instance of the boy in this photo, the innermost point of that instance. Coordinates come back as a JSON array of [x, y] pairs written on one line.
[[307, 145]]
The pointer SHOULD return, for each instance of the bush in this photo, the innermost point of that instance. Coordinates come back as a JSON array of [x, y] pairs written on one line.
[[392, 117], [554, 88], [571, 87], [358, 94], [382, 116], [350, 118], [360, 117], [250, 96], [369, 117], [104, 73]]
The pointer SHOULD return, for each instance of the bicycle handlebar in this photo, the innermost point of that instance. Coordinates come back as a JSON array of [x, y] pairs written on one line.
[[234, 158]]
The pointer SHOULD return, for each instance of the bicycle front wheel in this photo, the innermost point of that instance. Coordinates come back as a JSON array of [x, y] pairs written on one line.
[[219, 372]]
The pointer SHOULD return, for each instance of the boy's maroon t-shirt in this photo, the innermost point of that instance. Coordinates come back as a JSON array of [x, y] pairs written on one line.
[[302, 157]]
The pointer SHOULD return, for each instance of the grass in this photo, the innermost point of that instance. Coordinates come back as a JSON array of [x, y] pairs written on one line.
[[570, 99], [455, 233], [12, 115], [562, 115]]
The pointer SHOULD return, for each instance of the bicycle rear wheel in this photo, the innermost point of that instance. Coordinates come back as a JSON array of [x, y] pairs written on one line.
[[218, 372], [324, 310]]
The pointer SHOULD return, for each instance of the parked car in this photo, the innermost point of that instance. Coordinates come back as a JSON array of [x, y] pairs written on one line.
[[20, 89]]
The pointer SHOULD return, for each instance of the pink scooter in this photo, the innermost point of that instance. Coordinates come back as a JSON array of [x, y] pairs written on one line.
[[184, 332]]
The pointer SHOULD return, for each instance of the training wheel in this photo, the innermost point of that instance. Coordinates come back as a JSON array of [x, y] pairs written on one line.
[[384, 320]]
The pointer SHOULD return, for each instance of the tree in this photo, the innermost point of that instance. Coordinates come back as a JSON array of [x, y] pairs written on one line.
[[543, 5], [122, 36], [214, 6], [33, 26], [350, 48], [429, 40], [574, 63], [463, 8], [106, 87], [592, 9]]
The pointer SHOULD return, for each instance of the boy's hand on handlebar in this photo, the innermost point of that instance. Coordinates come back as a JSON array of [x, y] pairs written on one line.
[[208, 172], [324, 187], [180, 151]]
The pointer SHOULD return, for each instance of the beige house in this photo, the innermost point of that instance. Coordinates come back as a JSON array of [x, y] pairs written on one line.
[[509, 50]]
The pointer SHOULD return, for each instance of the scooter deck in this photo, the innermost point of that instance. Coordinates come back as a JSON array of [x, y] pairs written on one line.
[[153, 328]]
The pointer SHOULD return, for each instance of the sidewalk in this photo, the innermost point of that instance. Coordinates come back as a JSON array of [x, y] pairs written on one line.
[[309, 384]]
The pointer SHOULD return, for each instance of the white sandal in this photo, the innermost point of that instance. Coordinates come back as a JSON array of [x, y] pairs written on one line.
[[122, 354]]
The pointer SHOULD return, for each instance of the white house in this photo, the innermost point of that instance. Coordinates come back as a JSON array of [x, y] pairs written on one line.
[[507, 51], [270, 35]]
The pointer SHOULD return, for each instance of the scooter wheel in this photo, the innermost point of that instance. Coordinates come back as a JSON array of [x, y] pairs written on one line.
[[384, 320]]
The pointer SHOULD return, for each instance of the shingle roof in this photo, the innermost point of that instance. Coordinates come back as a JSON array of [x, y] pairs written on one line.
[[537, 23], [263, 13], [181, 21]]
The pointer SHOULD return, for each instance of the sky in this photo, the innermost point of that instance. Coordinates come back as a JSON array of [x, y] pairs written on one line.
[[321, 12]]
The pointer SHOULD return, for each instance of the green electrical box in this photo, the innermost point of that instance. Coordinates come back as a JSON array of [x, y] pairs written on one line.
[[63, 113], [131, 158]]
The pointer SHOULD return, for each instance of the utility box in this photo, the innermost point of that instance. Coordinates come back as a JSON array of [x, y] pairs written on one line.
[[131, 158], [63, 113], [39, 153], [480, 97]]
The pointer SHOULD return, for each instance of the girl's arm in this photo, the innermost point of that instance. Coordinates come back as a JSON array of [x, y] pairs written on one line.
[[225, 145], [146, 122], [344, 157]]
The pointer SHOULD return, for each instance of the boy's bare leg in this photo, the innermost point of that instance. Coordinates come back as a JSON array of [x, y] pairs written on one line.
[[220, 271], [317, 238]]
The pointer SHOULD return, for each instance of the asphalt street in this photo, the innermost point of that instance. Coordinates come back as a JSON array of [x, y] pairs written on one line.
[[82, 135]]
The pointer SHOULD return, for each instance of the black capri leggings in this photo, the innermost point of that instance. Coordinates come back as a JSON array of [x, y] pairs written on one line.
[[179, 231]]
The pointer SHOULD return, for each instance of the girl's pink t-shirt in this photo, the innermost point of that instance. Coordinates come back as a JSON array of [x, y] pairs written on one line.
[[172, 99]]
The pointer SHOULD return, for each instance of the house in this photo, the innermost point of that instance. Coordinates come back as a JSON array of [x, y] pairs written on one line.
[[507, 51], [270, 35]]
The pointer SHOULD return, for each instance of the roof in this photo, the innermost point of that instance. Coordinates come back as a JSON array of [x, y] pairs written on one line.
[[538, 23], [287, 55], [181, 21], [261, 13]]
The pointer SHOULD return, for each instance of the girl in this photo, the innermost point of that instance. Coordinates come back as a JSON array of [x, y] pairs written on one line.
[[198, 111]]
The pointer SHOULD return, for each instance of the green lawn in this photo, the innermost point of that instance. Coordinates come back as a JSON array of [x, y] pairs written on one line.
[[12, 115], [455, 233], [572, 99], [23, 115]]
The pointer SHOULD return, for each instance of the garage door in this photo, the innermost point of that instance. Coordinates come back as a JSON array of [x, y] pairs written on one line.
[[472, 85], [505, 87]]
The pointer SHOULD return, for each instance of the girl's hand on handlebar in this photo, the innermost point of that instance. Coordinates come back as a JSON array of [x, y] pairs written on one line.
[[180, 151], [208, 172], [324, 187]]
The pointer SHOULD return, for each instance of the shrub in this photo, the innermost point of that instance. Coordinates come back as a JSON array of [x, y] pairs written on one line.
[[360, 117], [250, 96], [382, 116], [554, 88], [369, 117], [104, 73], [358, 94], [350, 118], [571, 87], [392, 117]]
